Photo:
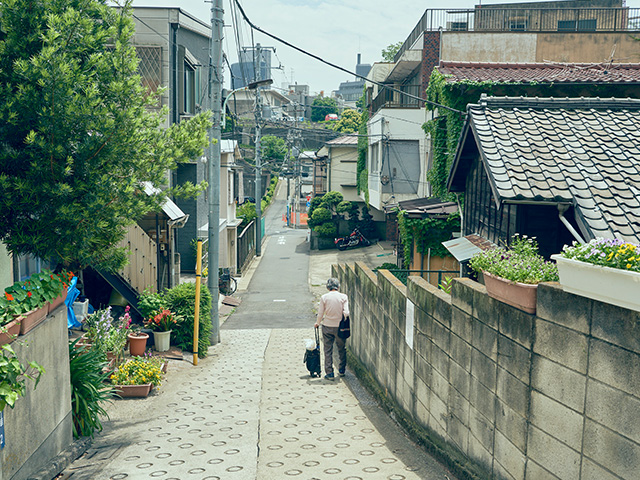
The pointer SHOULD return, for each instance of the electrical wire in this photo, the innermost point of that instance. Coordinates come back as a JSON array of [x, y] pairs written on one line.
[[333, 65]]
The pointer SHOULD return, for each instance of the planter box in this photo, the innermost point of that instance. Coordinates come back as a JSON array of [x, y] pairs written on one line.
[[32, 319], [609, 285], [133, 391], [522, 296], [10, 331], [58, 301]]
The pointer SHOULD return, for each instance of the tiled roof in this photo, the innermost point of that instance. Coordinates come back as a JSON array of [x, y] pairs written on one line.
[[540, 72], [347, 140], [582, 150]]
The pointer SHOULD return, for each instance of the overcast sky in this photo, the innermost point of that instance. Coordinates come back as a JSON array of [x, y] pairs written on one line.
[[336, 30]]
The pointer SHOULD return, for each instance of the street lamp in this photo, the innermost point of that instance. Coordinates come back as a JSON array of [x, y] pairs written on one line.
[[251, 86]]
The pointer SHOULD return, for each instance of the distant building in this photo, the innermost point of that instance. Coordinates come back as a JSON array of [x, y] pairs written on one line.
[[244, 72], [350, 92], [300, 106]]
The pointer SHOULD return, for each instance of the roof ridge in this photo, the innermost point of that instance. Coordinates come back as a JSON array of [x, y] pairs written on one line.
[[559, 102]]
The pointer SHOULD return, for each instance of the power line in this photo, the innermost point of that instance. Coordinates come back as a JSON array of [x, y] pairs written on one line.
[[338, 67]]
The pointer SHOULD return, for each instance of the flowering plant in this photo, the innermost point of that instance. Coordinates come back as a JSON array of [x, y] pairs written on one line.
[[606, 252], [519, 263], [162, 321], [107, 334], [139, 371]]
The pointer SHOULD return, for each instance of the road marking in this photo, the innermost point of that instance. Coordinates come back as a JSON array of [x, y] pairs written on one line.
[[279, 300], [281, 240]]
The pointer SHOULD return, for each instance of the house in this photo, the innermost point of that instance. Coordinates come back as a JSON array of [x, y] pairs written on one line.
[[274, 104], [230, 182], [340, 157], [558, 169], [561, 32]]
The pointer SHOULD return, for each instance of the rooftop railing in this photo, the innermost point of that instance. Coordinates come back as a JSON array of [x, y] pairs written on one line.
[[497, 19]]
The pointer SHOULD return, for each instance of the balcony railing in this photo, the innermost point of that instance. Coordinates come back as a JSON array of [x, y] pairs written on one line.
[[497, 19], [387, 98]]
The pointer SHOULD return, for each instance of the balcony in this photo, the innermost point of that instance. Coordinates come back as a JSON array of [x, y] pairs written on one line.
[[494, 18], [387, 98]]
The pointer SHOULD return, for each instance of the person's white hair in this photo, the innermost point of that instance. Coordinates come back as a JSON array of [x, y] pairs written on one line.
[[333, 284]]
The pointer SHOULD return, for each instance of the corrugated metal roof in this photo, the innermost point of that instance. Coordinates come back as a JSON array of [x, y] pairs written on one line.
[[464, 248]]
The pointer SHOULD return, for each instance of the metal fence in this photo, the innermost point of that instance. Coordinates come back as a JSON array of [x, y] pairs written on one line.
[[498, 19], [246, 245], [391, 99], [443, 275]]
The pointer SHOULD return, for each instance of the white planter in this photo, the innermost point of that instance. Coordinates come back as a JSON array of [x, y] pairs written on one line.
[[162, 340], [609, 285]]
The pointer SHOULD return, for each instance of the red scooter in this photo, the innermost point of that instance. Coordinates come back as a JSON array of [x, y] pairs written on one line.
[[356, 239]]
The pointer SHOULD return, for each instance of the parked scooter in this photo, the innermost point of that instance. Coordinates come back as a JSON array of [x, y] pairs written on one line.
[[356, 239]]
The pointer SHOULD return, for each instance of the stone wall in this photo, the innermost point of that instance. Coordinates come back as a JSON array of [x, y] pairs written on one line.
[[549, 396], [39, 427]]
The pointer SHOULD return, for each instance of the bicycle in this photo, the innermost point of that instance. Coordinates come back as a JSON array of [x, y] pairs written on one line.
[[226, 283]]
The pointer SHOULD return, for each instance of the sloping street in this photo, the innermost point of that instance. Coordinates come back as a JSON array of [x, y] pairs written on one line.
[[250, 410]]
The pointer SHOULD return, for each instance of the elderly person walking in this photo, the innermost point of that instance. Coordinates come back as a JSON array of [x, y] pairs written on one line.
[[333, 305]]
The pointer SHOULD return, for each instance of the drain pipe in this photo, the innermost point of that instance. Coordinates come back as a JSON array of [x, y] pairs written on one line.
[[562, 208]]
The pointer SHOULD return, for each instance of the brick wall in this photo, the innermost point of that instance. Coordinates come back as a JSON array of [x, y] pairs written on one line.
[[549, 396]]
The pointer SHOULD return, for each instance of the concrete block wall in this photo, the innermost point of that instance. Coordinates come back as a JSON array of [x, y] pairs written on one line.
[[40, 426], [549, 396]]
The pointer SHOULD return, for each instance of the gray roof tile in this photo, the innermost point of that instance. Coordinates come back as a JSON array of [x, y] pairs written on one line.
[[552, 149]]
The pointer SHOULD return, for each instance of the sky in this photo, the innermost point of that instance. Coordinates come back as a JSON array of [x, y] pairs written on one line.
[[335, 30]]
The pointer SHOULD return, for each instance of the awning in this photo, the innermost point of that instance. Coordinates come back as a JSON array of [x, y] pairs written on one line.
[[177, 218], [464, 248]]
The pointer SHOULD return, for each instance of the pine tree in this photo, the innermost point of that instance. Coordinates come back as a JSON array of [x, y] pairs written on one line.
[[77, 141]]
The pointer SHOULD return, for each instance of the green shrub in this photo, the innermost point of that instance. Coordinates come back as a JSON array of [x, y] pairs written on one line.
[[320, 215], [149, 303], [388, 266], [247, 212], [181, 301], [88, 389], [326, 230]]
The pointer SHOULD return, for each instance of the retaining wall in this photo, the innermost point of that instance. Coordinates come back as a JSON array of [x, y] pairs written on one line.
[[40, 426], [549, 396]]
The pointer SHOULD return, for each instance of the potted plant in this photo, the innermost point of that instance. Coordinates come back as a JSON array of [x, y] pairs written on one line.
[[137, 341], [26, 299], [107, 335], [56, 286], [137, 376], [603, 269], [511, 274], [161, 324], [9, 329]]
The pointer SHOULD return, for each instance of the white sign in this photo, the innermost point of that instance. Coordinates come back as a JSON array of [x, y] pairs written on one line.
[[408, 330]]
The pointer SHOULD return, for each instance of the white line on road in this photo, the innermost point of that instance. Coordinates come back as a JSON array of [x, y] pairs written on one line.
[[279, 300]]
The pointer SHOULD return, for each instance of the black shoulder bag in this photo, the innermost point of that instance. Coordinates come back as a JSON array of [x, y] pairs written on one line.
[[344, 329]]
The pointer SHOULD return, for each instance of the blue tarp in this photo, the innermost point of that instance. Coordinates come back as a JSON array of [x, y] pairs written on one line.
[[72, 294]]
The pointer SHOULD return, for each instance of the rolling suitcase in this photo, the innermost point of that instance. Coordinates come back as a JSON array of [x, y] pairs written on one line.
[[312, 358]]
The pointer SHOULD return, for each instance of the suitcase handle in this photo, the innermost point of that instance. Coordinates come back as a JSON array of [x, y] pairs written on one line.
[[317, 337]]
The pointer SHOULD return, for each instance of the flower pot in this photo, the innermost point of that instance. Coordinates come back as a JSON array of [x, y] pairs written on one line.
[[130, 391], [32, 319], [10, 331], [56, 302], [137, 344], [162, 340], [606, 284], [522, 296]]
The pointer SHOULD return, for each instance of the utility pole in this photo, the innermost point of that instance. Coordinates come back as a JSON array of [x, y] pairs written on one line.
[[258, 182], [215, 135]]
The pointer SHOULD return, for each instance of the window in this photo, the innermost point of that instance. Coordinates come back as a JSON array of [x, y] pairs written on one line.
[[589, 25], [517, 24], [28, 265]]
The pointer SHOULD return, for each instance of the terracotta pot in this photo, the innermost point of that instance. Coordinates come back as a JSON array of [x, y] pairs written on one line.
[[162, 340], [129, 391], [137, 344], [522, 296], [10, 331], [32, 319], [56, 302]]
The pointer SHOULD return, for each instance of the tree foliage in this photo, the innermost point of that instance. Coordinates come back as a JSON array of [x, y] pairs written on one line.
[[273, 148], [390, 52], [349, 122], [78, 144], [321, 107]]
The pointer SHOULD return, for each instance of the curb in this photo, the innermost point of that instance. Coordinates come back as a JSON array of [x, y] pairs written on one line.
[[62, 461]]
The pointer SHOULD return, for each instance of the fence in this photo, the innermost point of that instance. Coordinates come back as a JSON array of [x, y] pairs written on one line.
[[246, 245], [497, 19]]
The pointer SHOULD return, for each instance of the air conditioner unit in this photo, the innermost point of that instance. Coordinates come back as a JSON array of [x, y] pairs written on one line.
[[457, 26]]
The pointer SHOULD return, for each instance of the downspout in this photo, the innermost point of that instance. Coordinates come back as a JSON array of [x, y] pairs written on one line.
[[329, 171], [562, 208]]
